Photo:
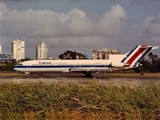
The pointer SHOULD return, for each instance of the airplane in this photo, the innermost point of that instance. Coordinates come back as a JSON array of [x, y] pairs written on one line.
[[87, 67]]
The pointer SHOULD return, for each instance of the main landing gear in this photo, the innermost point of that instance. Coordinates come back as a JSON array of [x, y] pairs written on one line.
[[87, 74]]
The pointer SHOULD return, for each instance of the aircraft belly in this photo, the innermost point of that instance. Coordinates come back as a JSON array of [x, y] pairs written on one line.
[[43, 69]]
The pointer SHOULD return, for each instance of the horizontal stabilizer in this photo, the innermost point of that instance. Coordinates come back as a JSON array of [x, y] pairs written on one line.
[[156, 47]]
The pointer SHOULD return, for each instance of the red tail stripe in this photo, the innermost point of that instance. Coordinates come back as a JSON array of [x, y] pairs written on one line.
[[140, 50]]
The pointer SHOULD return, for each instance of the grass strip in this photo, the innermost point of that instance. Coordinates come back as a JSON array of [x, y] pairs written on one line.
[[69, 101]]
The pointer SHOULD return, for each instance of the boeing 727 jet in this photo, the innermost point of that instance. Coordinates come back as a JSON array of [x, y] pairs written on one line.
[[114, 63]]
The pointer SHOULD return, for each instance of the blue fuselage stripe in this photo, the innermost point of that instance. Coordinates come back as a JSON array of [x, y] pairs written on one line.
[[143, 55], [129, 54], [59, 66]]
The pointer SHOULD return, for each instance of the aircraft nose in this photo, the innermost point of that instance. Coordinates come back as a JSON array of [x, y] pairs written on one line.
[[15, 68]]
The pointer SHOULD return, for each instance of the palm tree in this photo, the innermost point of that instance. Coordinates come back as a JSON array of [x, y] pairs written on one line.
[[150, 55], [156, 57]]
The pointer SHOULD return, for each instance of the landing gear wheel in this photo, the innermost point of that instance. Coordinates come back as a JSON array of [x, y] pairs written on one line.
[[27, 74], [88, 74]]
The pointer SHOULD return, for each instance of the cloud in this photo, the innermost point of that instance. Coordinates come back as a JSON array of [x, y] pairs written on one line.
[[148, 32], [111, 22], [75, 30], [72, 30], [49, 24], [151, 26]]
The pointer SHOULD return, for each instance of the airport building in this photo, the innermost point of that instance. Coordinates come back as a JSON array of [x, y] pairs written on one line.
[[104, 53], [42, 51], [18, 49], [6, 58]]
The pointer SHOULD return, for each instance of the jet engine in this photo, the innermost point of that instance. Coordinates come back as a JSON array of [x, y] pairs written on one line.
[[64, 71], [117, 65]]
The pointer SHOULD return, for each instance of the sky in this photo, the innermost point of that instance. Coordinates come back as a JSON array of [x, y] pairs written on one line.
[[81, 25]]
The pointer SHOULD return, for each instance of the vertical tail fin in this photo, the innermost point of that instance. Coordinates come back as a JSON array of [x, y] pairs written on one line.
[[133, 57]]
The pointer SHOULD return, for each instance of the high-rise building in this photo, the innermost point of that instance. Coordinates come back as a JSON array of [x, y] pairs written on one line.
[[18, 49], [42, 51]]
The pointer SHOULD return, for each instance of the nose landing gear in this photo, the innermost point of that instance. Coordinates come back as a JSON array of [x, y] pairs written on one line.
[[27, 73]]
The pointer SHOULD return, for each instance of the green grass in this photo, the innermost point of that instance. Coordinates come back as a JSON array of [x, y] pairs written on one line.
[[70, 101]]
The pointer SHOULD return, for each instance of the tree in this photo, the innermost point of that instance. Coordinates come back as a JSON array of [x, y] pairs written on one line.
[[25, 59], [151, 65], [154, 65], [72, 55]]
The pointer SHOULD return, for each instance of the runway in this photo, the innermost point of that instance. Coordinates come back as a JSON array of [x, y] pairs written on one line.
[[81, 79]]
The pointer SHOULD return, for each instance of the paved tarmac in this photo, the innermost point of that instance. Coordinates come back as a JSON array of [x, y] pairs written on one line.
[[81, 79]]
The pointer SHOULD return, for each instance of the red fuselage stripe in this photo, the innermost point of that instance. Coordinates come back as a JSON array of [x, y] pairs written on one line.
[[140, 50]]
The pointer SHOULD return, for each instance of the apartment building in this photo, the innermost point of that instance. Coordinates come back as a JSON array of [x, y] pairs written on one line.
[[18, 49], [104, 53], [42, 51]]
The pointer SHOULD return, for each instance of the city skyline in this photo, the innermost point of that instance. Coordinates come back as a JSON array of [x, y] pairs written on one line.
[[43, 50], [80, 25]]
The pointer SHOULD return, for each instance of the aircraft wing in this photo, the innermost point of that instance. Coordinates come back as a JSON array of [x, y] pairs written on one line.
[[92, 69]]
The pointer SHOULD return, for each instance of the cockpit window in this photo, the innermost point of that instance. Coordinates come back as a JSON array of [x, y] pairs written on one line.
[[20, 64]]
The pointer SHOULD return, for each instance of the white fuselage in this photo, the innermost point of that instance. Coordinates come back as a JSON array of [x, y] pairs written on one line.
[[115, 62], [68, 65]]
